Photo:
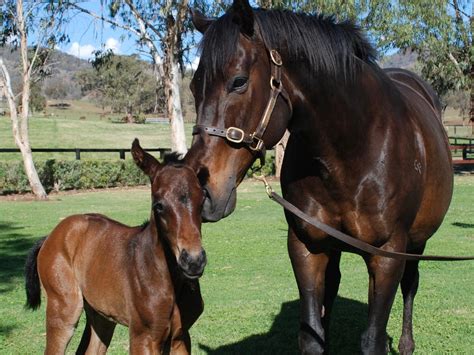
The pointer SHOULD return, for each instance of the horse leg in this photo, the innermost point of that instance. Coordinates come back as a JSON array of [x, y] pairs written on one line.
[[180, 339], [409, 286], [309, 271], [332, 280], [62, 315], [190, 306], [384, 277], [97, 333]]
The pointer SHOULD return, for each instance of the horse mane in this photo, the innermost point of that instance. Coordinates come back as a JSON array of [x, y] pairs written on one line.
[[173, 158], [325, 46]]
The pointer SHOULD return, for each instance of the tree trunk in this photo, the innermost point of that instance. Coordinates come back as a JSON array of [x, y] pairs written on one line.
[[280, 153], [178, 137], [20, 133]]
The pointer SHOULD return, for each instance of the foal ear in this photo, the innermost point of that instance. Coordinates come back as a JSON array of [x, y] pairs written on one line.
[[144, 161], [243, 16], [200, 21]]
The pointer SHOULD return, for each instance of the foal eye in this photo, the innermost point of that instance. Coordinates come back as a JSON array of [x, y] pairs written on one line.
[[239, 83], [158, 207]]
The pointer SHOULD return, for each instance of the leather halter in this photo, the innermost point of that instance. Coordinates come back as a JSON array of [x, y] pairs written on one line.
[[254, 141]]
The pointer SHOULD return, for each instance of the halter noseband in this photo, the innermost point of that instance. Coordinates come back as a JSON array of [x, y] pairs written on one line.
[[254, 141]]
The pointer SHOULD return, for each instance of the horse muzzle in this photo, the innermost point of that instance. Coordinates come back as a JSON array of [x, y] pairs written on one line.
[[214, 208], [192, 265]]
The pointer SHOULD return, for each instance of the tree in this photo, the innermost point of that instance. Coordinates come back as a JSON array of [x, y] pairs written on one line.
[[440, 32], [158, 27], [125, 83], [20, 21]]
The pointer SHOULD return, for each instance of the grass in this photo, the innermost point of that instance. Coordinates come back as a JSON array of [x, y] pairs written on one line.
[[248, 286], [64, 129]]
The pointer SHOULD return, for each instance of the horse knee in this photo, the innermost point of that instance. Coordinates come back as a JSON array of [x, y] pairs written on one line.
[[406, 346]]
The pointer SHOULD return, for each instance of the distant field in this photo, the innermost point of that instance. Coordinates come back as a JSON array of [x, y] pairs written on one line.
[[248, 286], [63, 128]]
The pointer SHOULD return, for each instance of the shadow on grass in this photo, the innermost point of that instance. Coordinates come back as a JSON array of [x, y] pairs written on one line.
[[13, 249], [463, 225], [349, 320]]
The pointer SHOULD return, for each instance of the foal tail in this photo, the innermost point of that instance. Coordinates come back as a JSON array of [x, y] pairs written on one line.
[[32, 282]]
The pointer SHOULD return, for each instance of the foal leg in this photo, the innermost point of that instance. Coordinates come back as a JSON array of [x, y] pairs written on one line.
[[332, 281], [384, 277], [309, 271], [180, 340], [64, 302], [409, 286], [190, 306], [97, 333]]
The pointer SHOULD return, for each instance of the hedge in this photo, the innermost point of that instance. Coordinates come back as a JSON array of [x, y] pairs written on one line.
[[60, 175]]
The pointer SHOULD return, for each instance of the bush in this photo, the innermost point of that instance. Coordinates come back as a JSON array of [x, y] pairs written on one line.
[[68, 175]]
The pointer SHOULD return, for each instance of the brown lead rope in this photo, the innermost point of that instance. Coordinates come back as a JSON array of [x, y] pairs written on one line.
[[356, 243]]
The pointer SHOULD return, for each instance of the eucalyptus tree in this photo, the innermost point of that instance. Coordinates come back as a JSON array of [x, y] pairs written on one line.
[[34, 27]]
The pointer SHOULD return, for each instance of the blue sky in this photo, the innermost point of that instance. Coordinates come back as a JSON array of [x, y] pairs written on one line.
[[88, 34]]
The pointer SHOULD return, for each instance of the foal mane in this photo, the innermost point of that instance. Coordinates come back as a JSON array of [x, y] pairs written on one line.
[[325, 46]]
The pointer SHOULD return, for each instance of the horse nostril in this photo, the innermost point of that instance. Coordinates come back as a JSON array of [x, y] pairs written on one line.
[[203, 258]]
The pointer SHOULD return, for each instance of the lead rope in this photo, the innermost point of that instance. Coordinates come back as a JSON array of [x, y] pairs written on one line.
[[356, 243]]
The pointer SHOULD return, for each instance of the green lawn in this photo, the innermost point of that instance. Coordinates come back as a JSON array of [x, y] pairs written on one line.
[[248, 286], [65, 129]]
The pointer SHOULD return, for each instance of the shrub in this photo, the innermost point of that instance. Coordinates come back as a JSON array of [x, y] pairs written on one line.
[[68, 175]]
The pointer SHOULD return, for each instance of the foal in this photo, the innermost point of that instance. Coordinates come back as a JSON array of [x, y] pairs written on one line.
[[121, 274]]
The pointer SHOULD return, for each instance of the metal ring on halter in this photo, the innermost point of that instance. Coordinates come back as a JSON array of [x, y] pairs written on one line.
[[276, 57], [272, 84]]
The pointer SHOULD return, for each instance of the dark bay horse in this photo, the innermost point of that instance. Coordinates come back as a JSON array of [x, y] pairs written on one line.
[[367, 153], [128, 275]]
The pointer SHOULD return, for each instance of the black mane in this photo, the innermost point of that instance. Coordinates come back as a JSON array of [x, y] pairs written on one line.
[[317, 41]]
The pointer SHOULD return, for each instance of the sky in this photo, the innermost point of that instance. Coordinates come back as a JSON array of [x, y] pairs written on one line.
[[87, 35]]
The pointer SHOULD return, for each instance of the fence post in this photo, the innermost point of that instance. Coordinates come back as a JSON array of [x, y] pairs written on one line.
[[78, 154], [122, 154]]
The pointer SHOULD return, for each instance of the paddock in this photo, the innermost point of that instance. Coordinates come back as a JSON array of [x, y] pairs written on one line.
[[251, 299]]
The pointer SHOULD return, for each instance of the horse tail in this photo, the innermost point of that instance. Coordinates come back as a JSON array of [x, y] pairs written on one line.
[[32, 281]]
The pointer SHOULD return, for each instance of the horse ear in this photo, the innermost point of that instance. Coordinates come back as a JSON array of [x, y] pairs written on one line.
[[243, 16], [200, 21], [144, 161]]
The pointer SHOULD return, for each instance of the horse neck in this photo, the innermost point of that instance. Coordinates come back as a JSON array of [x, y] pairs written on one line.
[[148, 246], [334, 115]]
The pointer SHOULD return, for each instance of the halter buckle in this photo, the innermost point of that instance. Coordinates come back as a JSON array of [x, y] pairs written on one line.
[[259, 145], [276, 57], [235, 135]]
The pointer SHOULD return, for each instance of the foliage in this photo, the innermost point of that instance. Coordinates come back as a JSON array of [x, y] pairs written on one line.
[[37, 100], [125, 83], [62, 175]]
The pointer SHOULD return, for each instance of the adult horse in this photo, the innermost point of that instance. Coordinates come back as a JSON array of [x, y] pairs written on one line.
[[134, 276], [367, 153]]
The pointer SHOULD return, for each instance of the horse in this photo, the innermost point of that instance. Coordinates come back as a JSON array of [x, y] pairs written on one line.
[[133, 276], [367, 153]]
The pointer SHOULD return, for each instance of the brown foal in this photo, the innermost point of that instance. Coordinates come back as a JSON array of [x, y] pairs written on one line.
[[120, 274]]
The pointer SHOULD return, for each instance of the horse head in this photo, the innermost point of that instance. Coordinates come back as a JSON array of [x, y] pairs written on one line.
[[177, 199], [241, 104]]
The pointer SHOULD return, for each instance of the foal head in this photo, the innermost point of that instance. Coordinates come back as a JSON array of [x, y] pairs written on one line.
[[177, 199]]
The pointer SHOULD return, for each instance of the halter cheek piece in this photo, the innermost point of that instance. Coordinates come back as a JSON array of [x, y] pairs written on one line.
[[254, 141]]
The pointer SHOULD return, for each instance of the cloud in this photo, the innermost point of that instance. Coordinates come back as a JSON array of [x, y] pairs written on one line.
[[194, 64], [83, 52], [113, 45], [86, 51]]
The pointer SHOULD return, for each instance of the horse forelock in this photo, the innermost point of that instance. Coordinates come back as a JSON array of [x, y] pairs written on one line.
[[334, 49]]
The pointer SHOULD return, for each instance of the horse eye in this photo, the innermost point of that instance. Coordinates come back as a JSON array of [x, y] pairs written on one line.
[[158, 207], [239, 83]]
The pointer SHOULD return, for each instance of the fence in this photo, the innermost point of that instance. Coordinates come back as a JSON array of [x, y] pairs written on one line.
[[78, 151]]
